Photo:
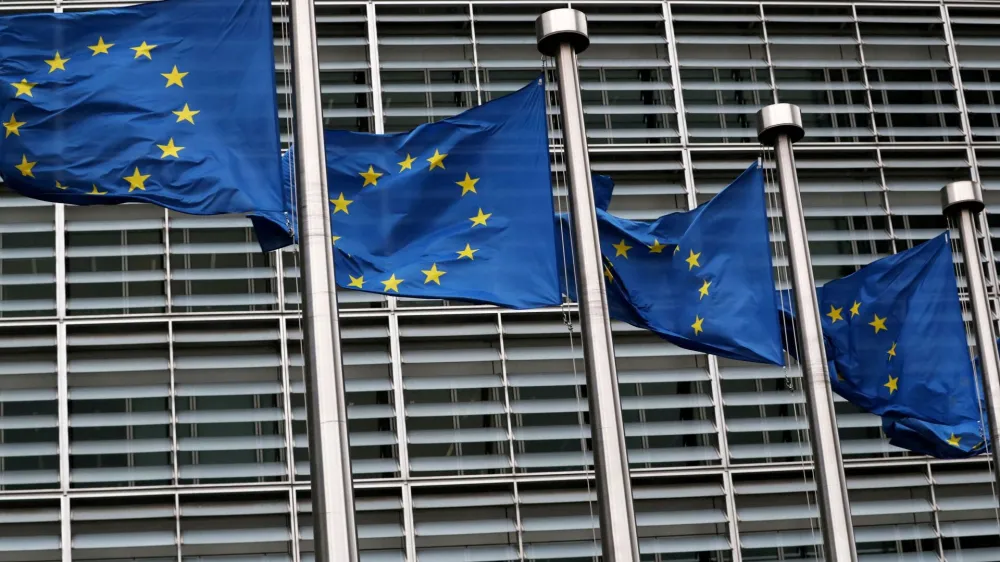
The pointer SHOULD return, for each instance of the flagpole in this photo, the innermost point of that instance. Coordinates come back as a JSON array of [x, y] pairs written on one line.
[[334, 532], [562, 33], [962, 201], [780, 125]]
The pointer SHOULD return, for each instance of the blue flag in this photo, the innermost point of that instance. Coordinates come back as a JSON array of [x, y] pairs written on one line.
[[457, 209], [171, 103], [896, 346], [701, 279]]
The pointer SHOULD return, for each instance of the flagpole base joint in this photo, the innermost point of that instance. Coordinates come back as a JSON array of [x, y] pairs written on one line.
[[961, 195], [562, 26], [779, 119]]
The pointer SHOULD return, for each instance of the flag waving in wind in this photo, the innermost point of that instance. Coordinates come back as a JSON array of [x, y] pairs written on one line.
[[896, 347], [701, 279], [171, 103], [896, 337], [457, 209]]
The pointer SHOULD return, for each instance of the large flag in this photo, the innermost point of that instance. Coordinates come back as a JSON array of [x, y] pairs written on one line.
[[171, 103], [701, 279], [897, 347], [457, 209]]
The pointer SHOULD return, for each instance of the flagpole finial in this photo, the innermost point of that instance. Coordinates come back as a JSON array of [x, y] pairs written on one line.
[[779, 119], [962, 195], [561, 26]]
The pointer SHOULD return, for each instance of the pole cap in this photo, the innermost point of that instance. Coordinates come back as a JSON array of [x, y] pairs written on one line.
[[960, 195], [779, 119], [564, 25]]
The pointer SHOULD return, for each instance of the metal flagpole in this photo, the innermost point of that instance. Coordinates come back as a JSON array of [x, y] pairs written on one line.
[[562, 34], [962, 201], [334, 532], [780, 125]]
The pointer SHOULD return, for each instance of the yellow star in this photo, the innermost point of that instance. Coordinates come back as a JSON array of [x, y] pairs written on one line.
[[677, 249], [437, 161], [57, 63], [703, 291], [407, 164], [878, 324], [186, 114], [892, 351], [954, 440], [371, 176], [657, 248], [697, 324], [692, 260], [95, 191], [391, 284], [12, 126], [607, 273], [25, 167], [468, 184], [61, 186], [621, 249], [892, 385], [144, 50], [433, 274], [174, 77], [24, 87], [856, 309], [834, 314], [340, 204], [101, 47], [136, 181], [170, 149], [467, 252], [358, 282], [480, 218], [333, 239]]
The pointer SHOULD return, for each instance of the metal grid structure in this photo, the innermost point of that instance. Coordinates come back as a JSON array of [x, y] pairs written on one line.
[[151, 404]]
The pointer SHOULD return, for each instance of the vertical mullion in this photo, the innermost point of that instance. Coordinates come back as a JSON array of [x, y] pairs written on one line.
[[475, 53], [172, 399], [869, 98], [767, 56], [675, 79], [734, 531], [178, 540], [295, 550], [402, 450], [65, 529], [62, 395], [167, 270], [378, 114], [935, 511], [409, 532], [286, 398], [505, 388], [59, 224]]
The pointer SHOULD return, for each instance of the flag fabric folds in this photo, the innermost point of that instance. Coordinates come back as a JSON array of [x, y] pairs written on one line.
[[457, 209], [171, 103], [701, 279], [896, 346]]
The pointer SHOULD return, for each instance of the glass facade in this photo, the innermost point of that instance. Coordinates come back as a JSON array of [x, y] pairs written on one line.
[[151, 393]]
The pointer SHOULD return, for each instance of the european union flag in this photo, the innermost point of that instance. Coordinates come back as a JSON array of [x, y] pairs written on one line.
[[897, 347], [701, 279], [171, 103], [457, 209]]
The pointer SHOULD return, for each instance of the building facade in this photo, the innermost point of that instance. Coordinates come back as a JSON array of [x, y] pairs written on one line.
[[151, 394]]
